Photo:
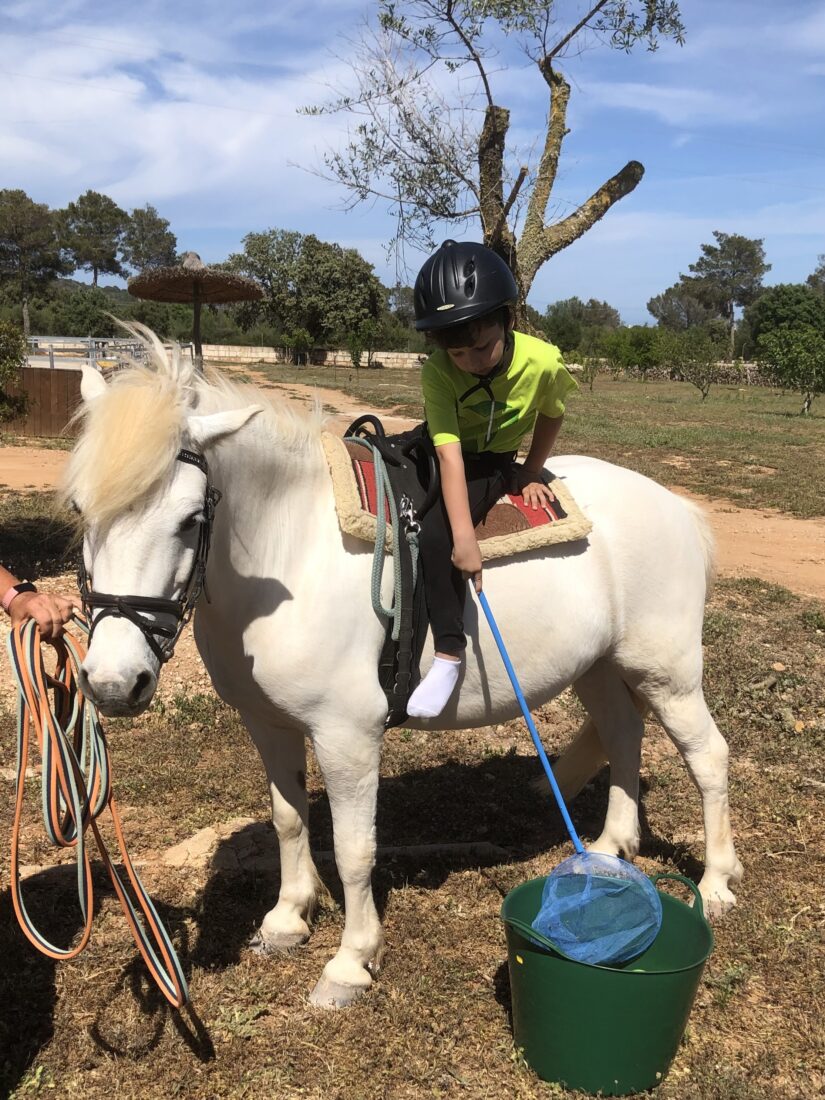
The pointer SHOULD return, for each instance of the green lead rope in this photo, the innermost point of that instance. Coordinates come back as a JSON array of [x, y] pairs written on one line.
[[384, 499]]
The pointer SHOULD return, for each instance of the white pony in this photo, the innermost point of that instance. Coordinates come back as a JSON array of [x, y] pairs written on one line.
[[290, 639]]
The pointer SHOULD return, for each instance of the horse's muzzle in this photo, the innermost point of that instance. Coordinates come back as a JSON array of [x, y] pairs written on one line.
[[119, 697]]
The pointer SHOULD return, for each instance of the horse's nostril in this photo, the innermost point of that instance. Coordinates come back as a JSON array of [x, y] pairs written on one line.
[[142, 681]]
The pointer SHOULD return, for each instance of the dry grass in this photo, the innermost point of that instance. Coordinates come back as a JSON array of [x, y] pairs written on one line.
[[436, 1023]]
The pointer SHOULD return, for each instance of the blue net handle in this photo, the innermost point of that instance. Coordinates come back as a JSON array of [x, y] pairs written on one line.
[[545, 763]]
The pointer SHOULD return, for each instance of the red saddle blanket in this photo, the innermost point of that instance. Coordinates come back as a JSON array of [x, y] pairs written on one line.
[[511, 526]]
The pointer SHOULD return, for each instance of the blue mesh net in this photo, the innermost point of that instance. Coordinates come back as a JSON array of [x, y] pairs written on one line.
[[599, 909]]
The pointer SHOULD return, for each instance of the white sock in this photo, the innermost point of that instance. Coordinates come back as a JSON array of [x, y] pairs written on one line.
[[432, 694]]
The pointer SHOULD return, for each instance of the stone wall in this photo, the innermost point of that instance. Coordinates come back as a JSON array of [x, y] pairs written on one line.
[[237, 353]]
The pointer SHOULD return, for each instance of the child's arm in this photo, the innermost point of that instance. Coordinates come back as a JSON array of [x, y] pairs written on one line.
[[466, 554], [530, 475]]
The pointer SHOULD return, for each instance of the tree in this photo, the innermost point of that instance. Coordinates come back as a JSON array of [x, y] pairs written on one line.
[[678, 308], [12, 357], [691, 355], [728, 274], [795, 358], [572, 324], [310, 285], [562, 324], [30, 255], [816, 279], [84, 311], [433, 144], [92, 229], [633, 348], [787, 305], [148, 241]]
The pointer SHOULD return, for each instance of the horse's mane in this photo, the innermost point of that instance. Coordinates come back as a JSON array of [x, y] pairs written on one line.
[[130, 434]]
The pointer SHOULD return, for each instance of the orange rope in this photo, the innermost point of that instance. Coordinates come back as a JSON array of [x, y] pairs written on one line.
[[73, 800]]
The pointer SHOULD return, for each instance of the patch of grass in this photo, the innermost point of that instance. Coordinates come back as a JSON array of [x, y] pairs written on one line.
[[35, 540], [44, 443], [726, 983]]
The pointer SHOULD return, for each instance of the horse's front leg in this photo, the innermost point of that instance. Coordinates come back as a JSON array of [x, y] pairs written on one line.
[[283, 752], [349, 757]]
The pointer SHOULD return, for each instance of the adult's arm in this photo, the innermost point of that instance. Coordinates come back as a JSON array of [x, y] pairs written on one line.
[[51, 613]]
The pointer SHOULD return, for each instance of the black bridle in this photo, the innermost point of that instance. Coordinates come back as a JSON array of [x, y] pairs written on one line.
[[134, 607]]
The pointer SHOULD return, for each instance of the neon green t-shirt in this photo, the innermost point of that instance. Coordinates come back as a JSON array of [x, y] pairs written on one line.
[[536, 381]]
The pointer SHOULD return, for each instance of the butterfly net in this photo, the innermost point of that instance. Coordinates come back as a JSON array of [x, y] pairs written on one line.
[[599, 909]]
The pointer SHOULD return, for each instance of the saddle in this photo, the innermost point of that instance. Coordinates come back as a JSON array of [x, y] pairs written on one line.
[[410, 472]]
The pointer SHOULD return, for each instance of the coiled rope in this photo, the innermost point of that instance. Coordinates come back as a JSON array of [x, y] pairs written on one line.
[[76, 789]]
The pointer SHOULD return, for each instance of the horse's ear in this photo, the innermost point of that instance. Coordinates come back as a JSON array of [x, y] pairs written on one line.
[[92, 383], [204, 430]]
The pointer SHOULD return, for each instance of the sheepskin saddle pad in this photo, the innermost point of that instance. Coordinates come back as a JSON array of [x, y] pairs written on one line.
[[510, 528]]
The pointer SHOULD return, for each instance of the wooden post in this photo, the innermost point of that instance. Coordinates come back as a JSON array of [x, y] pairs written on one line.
[[196, 325]]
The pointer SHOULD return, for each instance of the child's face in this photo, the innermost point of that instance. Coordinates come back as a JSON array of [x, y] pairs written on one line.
[[484, 355]]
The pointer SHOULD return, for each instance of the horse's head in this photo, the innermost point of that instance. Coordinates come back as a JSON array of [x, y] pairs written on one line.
[[139, 481]]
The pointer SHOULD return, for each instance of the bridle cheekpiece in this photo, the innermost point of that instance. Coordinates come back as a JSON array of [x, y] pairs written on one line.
[[161, 639]]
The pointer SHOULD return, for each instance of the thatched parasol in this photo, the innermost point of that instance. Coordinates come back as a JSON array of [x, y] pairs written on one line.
[[192, 281]]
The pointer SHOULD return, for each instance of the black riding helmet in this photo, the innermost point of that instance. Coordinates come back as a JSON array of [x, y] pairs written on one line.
[[461, 282]]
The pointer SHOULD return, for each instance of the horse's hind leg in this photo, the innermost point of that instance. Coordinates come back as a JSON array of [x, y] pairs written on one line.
[[349, 758], [283, 752], [688, 722], [620, 727]]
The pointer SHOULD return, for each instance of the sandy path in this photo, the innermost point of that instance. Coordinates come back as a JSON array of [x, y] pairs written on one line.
[[750, 542], [30, 467]]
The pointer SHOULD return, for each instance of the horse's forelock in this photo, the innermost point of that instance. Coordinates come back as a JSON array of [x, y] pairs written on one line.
[[132, 432], [128, 442]]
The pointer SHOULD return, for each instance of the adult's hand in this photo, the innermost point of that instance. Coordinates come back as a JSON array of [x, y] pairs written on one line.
[[51, 613]]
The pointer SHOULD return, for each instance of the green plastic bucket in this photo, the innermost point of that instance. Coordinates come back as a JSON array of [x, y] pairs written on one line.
[[607, 1029]]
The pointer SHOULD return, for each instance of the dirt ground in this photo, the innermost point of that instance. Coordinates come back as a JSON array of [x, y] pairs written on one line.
[[750, 542]]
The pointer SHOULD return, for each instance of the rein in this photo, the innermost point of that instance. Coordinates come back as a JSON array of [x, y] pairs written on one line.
[[134, 607], [76, 790]]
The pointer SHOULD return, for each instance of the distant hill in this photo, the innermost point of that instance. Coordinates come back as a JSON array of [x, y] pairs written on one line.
[[114, 293]]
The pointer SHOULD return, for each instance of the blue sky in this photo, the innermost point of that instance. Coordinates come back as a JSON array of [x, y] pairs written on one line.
[[192, 107]]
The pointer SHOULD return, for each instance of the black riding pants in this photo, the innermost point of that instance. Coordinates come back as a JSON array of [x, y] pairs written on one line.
[[445, 589]]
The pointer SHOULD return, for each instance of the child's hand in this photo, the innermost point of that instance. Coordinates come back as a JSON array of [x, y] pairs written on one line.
[[532, 487], [467, 557], [536, 494]]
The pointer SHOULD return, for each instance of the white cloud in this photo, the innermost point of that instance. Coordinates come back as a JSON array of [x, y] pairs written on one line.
[[215, 144], [679, 106]]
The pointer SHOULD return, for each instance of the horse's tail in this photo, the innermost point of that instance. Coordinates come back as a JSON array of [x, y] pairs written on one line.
[[706, 541]]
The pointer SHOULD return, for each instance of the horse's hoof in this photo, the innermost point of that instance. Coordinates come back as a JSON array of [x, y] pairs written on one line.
[[328, 994], [280, 943], [721, 901]]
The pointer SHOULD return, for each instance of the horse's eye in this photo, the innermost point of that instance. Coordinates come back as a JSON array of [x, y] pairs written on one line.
[[190, 522], [75, 507]]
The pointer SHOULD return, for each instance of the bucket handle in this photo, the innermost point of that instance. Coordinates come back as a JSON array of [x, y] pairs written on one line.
[[685, 882], [530, 933]]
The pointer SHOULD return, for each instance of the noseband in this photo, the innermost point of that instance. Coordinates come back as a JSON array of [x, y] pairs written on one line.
[[134, 607]]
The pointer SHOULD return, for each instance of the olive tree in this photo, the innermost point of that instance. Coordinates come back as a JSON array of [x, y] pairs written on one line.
[[430, 130], [691, 355], [795, 358]]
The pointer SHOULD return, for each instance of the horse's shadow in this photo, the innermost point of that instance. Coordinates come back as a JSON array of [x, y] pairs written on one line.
[[430, 823]]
